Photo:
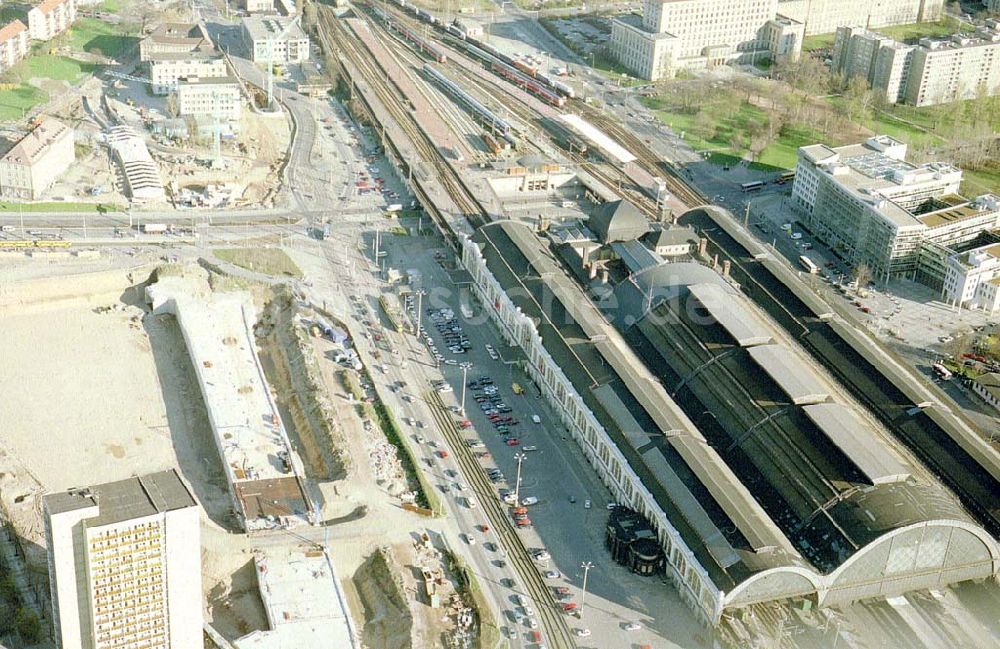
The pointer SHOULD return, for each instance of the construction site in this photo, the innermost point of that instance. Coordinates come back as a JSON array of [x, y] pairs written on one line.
[[205, 380]]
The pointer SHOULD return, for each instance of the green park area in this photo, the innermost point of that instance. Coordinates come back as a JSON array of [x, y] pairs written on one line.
[[728, 127], [765, 121], [100, 37], [54, 61]]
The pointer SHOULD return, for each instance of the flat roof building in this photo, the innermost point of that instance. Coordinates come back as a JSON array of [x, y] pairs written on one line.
[[873, 207], [762, 501], [275, 39], [210, 96], [825, 16], [44, 154], [934, 71], [684, 34], [125, 564]]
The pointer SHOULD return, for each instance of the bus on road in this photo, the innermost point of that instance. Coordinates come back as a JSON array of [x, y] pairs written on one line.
[[785, 177], [752, 187], [808, 264], [942, 371]]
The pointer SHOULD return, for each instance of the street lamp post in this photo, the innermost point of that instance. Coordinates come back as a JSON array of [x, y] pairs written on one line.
[[465, 373], [420, 294], [586, 565], [520, 457]]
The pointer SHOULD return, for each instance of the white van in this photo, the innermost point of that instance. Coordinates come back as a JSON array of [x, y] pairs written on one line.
[[536, 419]]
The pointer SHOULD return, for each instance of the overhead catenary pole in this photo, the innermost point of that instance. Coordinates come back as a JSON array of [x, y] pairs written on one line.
[[586, 565], [466, 366], [520, 457]]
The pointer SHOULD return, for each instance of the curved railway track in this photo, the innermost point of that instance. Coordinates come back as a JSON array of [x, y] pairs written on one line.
[[553, 620]]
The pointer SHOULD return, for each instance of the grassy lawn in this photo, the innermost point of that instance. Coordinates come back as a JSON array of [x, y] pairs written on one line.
[[97, 36], [712, 127], [817, 42], [59, 206], [14, 103], [50, 66], [783, 152], [270, 261], [913, 33], [981, 181], [114, 6]]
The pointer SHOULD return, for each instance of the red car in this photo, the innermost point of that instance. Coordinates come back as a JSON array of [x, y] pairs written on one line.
[[513, 441], [569, 607], [465, 423], [524, 522], [536, 636], [442, 454]]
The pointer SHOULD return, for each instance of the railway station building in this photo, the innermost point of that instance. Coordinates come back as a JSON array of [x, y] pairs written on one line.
[[759, 479]]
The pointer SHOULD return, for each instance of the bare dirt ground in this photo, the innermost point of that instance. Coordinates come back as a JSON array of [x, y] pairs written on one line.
[[100, 390]]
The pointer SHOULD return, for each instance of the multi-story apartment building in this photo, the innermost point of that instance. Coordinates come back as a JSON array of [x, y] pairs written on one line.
[[873, 207], [934, 71], [50, 18], [125, 565], [35, 162], [275, 39], [13, 44], [961, 67], [210, 96], [825, 16], [675, 34], [168, 70]]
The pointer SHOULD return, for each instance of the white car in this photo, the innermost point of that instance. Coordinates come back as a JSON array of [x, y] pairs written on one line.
[[530, 500], [552, 574], [796, 236], [510, 498], [542, 555], [529, 448], [586, 504], [533, 623], [529, 611], [582, 633], [633, 626], [471, 540]]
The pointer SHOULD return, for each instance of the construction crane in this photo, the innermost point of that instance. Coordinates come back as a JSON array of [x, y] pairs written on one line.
[[216, 108]]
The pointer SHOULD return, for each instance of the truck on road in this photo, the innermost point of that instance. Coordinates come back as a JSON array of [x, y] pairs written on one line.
[[155, 228]]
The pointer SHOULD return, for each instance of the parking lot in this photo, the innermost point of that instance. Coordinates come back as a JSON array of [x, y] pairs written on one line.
[[563, 505]]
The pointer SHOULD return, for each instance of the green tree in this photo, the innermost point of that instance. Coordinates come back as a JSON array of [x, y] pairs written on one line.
[[28, 626]]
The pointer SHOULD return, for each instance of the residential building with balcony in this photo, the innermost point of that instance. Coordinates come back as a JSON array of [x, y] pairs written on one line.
[[125, 564]]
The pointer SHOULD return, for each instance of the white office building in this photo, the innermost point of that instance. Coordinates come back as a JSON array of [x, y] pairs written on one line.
[[217, 97], [275, 39], [825, 16], [125, 565], [873, 207], [689, 34]]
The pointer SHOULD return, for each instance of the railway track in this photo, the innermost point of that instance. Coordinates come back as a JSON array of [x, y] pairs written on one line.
[[375, 76], [653, 164], [553, 622]]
